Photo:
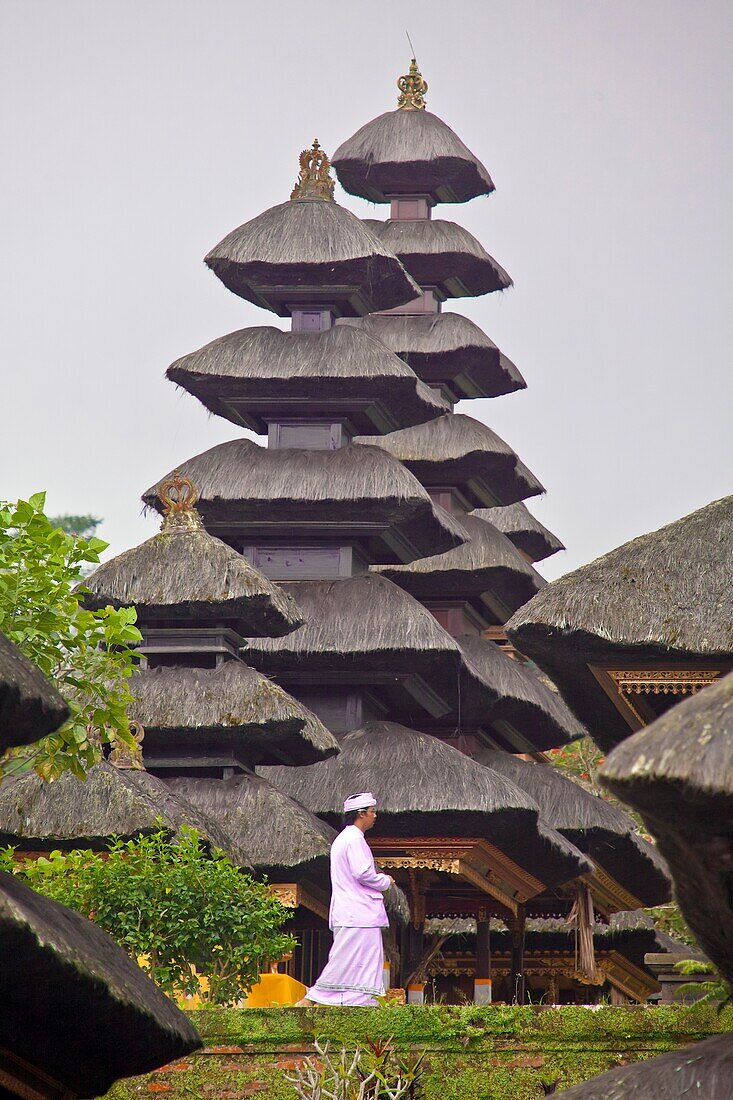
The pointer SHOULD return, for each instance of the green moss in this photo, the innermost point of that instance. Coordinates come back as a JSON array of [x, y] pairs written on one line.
[[498, 1051]]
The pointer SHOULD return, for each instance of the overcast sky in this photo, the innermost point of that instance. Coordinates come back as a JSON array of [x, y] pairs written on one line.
[[135, 134]]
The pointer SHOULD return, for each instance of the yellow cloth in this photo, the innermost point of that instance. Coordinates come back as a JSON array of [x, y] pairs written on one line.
[[275, 989]]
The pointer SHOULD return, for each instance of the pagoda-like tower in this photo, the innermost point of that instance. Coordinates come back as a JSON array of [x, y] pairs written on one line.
[[367, 478]]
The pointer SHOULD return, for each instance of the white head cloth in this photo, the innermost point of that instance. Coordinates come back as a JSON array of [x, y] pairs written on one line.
[[359, 801]]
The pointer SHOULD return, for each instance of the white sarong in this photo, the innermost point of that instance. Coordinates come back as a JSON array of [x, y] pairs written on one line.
[[353, 973]]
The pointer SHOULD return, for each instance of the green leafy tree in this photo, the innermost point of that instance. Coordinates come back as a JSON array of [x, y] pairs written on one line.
[[172, 905], [87, 654], [83, 526]]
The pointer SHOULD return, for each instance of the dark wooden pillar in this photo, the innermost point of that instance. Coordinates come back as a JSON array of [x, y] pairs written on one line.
[[517, 990], [482, 981]]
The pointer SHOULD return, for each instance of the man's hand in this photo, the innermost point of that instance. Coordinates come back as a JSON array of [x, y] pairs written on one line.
[[391, 882]]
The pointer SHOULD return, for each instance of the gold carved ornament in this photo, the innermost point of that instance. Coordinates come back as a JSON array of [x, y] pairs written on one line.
[[412, 90], [314, 180], [667, 682], [178, 496]]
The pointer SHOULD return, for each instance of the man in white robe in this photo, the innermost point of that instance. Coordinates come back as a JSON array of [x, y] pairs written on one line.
[[353, 973]]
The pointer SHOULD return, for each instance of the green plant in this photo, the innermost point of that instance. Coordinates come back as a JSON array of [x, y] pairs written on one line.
[[717, 990], [83, 526], [87, 654], [362, 1074], [175, 908]]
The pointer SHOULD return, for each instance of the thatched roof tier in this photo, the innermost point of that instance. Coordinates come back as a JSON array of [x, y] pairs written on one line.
[[702, 1069], [257, 374], [601, 830], [459, 452], [75, 1005], [488, 565], [308, 252], [524, 702], [445, 349], [523, 529], [424, 787], [74, 813], [362, 622], [632, 933], [359, 492], [262, 722], [30, 706], [662, 598], [278, 833], [188, 574], [409, 152], [442, 254], [678, 773]]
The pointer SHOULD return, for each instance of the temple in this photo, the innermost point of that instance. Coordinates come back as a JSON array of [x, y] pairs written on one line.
[[398, 528]]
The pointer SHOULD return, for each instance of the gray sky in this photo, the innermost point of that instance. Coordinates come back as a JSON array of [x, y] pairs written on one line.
[[136, 134]]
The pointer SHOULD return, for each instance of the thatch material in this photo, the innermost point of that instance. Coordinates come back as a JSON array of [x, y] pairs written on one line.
[[424, 787], [445, 349], [442, 254], [488, 563], [522, 697], [598, 828], [310, 251], [179, 575], [256, 374], [409, 152], [278, 834], [363, 621], [266, 725], [664, 597], [248, 488], [74, 1004], [75, 813], [523, 529], [702, 1069], [678, 773], [30, 707], [458, 451]]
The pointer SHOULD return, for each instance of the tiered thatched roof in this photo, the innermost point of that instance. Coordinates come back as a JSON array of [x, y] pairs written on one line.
[[251, 489], [442, 254], [30, 707], [361, 622], [488, 564], [664, 597], [523, 529], [278, 834], [409, 152], [309, 250], [445, 349], [424, 787], [256, 374], [262, 722], [678, 773], [598, 828], [522, 698], [189, 574], [74, 1004], [456, 450], [702, 1069], [126, 802]]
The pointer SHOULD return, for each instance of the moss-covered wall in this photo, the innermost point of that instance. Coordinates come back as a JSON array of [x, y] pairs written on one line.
[[487, 1053]]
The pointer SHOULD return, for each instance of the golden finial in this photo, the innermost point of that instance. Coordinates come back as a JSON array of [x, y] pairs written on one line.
[[124, 756], [412, 90], [314, 182], [178, 495]]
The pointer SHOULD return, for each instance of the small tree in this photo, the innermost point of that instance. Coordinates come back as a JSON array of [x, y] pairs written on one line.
[[173, 906], [87, 654], [84, 527]]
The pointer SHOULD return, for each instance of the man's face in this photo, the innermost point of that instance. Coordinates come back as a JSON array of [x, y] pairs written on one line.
[[368, 817]]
